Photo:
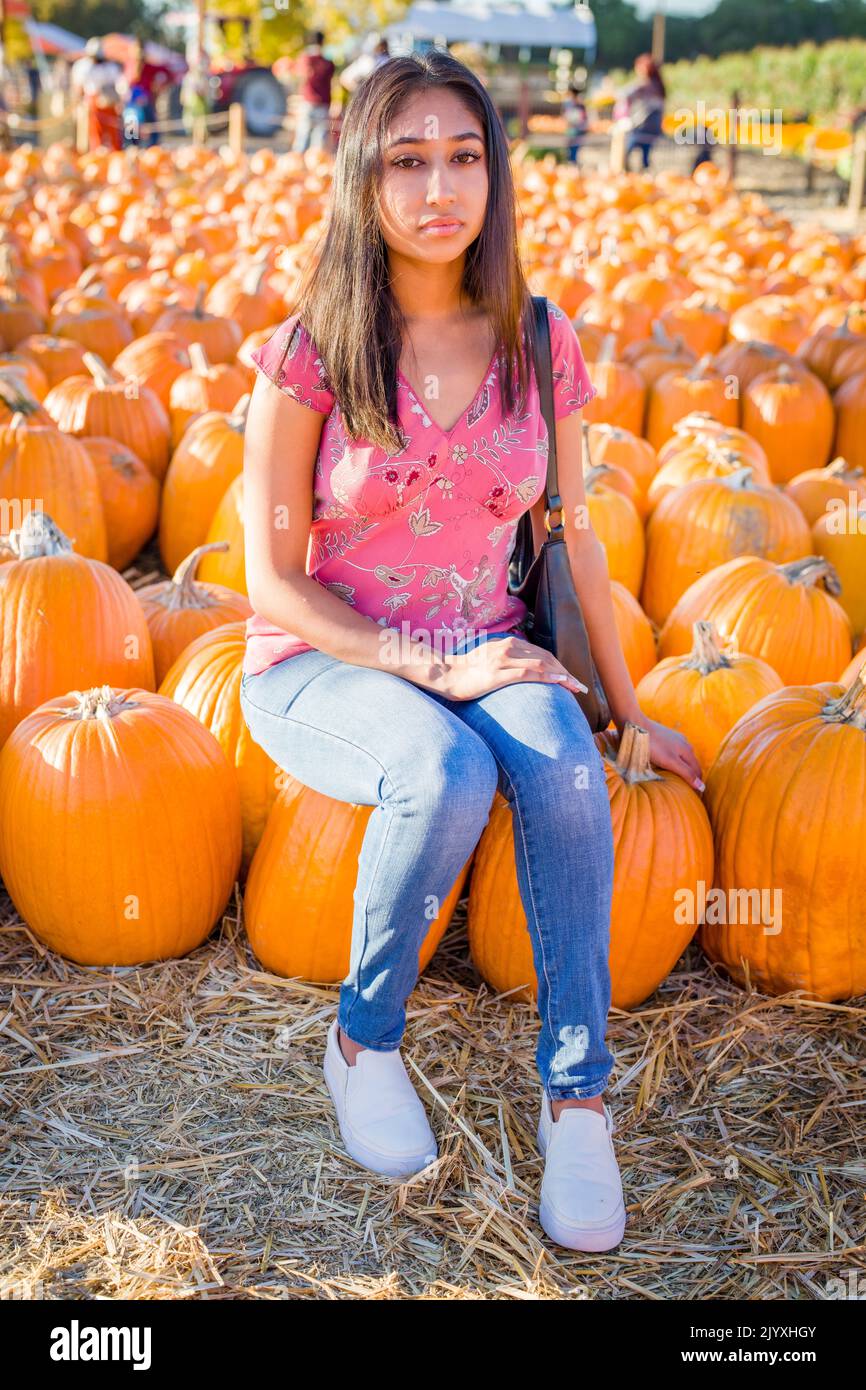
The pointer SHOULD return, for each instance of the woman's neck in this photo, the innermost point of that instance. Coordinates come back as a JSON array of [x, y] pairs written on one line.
[[427, 292]]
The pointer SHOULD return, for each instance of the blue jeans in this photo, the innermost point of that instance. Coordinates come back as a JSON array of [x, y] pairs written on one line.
[[311, 132], [644, 144], [431, 766]]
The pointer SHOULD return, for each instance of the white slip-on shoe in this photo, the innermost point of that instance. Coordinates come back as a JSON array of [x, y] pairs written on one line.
[[381, 1118], [581, 1204]]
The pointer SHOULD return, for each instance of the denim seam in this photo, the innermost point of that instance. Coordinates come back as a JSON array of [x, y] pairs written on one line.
[[539, 932], [363, 950]]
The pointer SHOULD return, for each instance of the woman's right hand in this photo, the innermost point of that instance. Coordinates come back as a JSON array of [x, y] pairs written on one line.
[[503, 662]]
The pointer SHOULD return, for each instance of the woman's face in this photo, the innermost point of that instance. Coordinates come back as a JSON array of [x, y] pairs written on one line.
[[433, 190]]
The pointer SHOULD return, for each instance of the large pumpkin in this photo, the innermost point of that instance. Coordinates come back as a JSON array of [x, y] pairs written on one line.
[[120, 833], [65, 621], [702, 695], [662, 846], [45, 470], [179, 609], [785, 797], [209, 457], [635, 632], [787, 615], [840, 536], [206, 680], [790, 413], [680, 393], [225, 563], [103, 404], [201, 388], [701, 525], [299, 897], [130, 498]]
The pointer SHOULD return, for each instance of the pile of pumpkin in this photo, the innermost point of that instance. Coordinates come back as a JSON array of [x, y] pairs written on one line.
[[724, 463]]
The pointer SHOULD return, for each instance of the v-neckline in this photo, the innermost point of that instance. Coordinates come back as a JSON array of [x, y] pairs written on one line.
[[446, 434]]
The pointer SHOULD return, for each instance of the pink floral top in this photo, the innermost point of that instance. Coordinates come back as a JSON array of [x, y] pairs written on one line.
[[421, 537]]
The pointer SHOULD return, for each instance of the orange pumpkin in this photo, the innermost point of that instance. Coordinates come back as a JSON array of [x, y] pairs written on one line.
[[226, 564], [702, 695], [209, 457], [814, 487], [178, 609], [202, 388], [145, 835], [791, 414], [298, 903], [66, 621], [839, 535], [102, 404], [155, 360], [662, 846], [787, 615], [635, 632], [678, 394], [850, 403], [130, 498], [206, 680], [44, 470], [785, 796], [699, 526]]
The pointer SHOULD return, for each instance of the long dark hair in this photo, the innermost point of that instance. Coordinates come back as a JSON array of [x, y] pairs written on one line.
[[647, 66], [345, 301]]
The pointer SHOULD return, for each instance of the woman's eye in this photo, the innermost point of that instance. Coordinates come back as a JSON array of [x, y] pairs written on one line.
[[407, 161]]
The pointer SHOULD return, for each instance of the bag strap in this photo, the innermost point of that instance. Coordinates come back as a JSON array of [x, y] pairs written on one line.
[[544, 377]]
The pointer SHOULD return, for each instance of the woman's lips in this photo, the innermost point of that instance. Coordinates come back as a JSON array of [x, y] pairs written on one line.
[[442, 228]]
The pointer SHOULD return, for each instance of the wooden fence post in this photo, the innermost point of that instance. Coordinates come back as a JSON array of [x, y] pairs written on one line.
[[616, 158], [858, 175], [237, 128], [82, 128]]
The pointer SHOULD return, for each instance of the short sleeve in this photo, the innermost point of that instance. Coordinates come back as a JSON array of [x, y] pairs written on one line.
[[291, 361], [572, 387]]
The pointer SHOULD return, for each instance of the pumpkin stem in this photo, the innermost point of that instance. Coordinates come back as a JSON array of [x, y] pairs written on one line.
[[633, 760], [198, 307], [811, 570], [842, 469], [849, 708], [238, 416], [695, 422], [740, 478], [100, 702], [182, 591], [198, 359], [595, 473], [36, 537], [706, 654], [102, 374], [17, 397]]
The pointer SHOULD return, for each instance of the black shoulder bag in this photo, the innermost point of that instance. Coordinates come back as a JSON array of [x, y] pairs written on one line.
[[554, 618]]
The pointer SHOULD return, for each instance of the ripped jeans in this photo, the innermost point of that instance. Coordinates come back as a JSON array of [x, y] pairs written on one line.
[[430, 766]]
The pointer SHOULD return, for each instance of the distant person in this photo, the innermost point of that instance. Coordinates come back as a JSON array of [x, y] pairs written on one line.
[[641, 104], [576, 120], [145, 80], [375, 51], [316, 73], [195, 89], [100, 91]]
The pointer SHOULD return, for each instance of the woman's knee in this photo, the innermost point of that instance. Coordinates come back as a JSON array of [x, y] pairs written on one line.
[[457, 775]]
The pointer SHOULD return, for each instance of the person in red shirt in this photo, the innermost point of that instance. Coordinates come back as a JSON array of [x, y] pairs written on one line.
[[149, 79], [316, 72]]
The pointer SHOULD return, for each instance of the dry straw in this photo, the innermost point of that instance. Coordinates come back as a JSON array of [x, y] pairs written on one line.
[[167, 1133]]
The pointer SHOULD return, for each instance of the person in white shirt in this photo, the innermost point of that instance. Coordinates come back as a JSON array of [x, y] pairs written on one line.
[[375, 52]]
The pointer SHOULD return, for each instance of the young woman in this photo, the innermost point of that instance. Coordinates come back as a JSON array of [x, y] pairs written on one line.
[[642, 104], [397, 408]]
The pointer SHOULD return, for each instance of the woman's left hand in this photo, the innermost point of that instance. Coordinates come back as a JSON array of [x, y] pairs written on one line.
[[673, 751]]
